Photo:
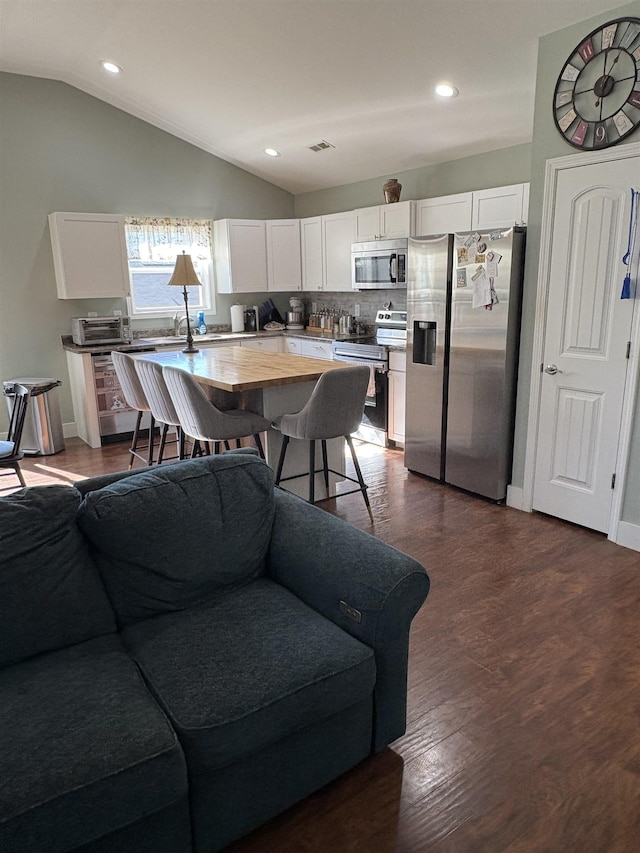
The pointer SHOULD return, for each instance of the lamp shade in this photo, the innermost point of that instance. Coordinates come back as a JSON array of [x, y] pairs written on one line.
[[184, 274]]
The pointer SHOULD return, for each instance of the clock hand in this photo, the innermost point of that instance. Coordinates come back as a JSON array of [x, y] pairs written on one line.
[[598, 101]]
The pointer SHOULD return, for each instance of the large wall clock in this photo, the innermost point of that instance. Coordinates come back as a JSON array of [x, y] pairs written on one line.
[[596, 102]]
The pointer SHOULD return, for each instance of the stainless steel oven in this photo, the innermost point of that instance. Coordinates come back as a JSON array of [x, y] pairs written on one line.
[[391, 329], [115, 418]]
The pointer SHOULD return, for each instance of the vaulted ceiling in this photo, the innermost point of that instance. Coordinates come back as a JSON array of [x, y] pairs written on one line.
[[236, 76]]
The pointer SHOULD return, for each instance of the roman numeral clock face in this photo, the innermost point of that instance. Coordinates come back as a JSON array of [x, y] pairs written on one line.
[[596, 102]]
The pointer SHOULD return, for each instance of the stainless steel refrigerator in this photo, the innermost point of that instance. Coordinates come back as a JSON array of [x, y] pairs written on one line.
[[462, 360]]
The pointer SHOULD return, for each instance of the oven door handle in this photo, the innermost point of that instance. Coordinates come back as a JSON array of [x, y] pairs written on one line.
[[378, 366]]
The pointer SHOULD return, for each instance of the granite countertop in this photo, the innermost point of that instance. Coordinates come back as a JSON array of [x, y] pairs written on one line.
[[140, 343]]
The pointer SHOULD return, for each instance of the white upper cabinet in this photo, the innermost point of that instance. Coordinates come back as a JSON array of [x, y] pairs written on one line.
[[240, 253], [500, 207], [284, 269], [338, 233], [89, 255], [384, 221], [444, 215], [311, 248]]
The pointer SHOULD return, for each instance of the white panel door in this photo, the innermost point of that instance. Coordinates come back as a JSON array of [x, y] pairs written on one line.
[[585, 352]]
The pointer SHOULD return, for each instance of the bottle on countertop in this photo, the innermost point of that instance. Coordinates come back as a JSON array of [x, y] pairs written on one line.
[[202, 326]]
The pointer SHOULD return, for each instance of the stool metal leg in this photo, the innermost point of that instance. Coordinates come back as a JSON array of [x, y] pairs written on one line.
[[134, 439], [283, 450], [312, 470], [325, 465], [163, 441], [150, 445], [363, 485]]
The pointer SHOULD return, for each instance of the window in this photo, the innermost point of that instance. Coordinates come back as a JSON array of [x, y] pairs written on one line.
[[152, 246]]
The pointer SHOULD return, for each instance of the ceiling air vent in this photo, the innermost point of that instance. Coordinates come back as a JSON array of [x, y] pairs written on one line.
[[321, 146]]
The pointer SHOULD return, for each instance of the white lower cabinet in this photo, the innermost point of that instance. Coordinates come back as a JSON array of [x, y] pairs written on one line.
[[397, 396], [293, 345], [265, 344], [317, 349]]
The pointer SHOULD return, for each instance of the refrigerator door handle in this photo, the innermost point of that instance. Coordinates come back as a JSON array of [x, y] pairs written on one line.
[[392, 257]]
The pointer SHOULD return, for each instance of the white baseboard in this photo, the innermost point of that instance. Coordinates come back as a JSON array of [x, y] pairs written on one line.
[[515, 498], [628, 535], [70, 430]]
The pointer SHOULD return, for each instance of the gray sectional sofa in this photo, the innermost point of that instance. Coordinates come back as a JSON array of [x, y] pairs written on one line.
[[184, 653]]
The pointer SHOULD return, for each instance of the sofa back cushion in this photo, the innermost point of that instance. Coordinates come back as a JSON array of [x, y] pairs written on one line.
[[51, 594], [177, 535]]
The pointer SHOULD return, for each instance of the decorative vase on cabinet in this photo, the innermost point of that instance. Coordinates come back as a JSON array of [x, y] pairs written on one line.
[[392, 190]]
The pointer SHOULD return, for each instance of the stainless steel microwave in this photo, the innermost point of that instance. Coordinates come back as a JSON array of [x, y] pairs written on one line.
[[88, 331], [380, 264]]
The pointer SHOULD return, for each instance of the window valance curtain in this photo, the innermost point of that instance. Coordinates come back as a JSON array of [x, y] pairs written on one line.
[[158, 239]]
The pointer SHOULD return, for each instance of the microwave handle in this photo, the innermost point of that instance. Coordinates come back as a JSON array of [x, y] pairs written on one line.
[[392, 257]]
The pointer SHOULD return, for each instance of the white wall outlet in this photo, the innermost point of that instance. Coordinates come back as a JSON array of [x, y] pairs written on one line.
[[92, 313], [117, 312], [356, 309]]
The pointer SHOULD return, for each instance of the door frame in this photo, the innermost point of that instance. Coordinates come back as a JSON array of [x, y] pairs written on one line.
[[553, 168]]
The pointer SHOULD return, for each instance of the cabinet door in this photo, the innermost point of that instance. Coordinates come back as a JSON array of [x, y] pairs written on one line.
[[317, 349], [397, 220], [338, 233], [89, 255], [367, 223], [311, 246], [293, 345], [397, 398], [283, 254], [499, 207], [444, 215], [240, 255], [265, 344]]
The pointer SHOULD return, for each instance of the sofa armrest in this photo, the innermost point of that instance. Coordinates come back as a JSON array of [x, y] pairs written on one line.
[[369, 588]]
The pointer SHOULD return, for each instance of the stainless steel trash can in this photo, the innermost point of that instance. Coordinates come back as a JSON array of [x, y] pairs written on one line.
[[42, 434]]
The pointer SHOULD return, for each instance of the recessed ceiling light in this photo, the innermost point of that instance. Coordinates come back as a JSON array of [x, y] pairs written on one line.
[[111, 67], [272, 152], [446, 90]]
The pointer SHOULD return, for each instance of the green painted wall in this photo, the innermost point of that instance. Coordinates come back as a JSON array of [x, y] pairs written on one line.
[[61, 149], [493, 169], [553, 51]]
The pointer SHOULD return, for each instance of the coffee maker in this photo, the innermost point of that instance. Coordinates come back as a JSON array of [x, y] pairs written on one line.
[[251, 319]]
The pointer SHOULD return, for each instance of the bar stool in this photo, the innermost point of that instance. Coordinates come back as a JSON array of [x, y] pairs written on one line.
[[202, 420], [160, 403], [135, 397], [334, 409]]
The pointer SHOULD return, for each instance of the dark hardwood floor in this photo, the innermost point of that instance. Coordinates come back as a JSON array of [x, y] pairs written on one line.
[[523, 726]]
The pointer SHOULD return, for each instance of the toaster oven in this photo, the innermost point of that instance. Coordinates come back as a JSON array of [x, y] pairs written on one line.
[[88, 331]]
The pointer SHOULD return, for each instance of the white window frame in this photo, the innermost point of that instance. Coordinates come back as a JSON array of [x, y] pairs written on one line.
[[204, 269]]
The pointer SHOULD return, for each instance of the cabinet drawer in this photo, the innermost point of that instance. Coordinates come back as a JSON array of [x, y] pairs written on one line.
[[317, 349], [266, 344], [293, 345]]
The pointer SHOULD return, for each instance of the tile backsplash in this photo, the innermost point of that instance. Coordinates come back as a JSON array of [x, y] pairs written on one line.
[[370, 301]]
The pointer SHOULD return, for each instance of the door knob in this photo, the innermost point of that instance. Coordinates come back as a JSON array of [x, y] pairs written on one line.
[[552, 369]]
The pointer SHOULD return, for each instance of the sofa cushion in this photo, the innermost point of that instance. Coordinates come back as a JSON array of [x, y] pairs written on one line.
[[249, 669], [175, 536], [51, 594], [85, 748]]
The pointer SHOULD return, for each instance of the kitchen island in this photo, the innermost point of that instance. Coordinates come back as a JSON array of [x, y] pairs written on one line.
[[270, 384]]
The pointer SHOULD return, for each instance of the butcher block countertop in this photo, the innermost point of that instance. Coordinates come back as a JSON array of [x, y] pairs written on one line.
[[240, 369]]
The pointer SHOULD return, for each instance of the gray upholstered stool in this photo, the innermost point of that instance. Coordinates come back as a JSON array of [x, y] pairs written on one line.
[[135, 398], [202, 420], [160, 402], [333, 410]]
